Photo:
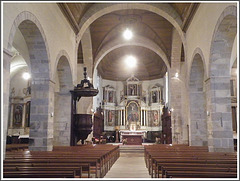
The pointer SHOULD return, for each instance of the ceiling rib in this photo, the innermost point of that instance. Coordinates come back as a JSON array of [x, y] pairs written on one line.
[[190, 13], [68, 14]]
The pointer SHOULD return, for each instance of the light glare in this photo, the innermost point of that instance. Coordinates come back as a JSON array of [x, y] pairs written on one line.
[[127, 34], [26, 75], [130, 61], [176, 75]]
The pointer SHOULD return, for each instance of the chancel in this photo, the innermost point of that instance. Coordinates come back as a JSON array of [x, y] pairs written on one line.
[[120, 90]]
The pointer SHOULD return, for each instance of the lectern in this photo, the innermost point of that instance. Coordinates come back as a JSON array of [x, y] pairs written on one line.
[[81, 124]]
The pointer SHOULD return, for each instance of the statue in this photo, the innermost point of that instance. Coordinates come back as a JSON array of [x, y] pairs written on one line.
[[132, 89], [13, 92]]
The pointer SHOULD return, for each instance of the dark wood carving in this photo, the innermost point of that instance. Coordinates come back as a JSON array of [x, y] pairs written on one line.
[[98, 125], [81, 124], [166, 137], [82, 127]]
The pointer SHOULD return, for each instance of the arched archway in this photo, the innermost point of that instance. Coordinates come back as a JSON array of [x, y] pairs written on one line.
[[197, 103], [40, 136], [118, 43], [98, 10], [138, 41], [62, 105], [220, 136]]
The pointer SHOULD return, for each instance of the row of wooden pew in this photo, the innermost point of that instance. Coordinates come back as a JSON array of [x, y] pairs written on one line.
[[182, 161], [83, 161], [16, 147]]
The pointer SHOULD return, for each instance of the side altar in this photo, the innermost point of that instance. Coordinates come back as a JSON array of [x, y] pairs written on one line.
[[135, 137]]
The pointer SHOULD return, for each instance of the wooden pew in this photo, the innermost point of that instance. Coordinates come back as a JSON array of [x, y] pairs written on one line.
[[160, 169], [93, 162], [158, 157], [192, 174], [39, 174], [100, 158], [77, 170], [16, 147], [82, 170], [196, 169], [158, 162]]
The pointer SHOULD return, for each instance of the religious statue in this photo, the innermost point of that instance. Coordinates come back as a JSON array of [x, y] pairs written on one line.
[[132, 89], [154, 97], [13, 92], [155, 118], [111, 96]]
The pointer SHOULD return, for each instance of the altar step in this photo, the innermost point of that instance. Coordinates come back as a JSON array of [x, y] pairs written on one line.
[[131, 148]]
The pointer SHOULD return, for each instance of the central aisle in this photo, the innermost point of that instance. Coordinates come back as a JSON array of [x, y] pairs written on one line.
[[129, 165]]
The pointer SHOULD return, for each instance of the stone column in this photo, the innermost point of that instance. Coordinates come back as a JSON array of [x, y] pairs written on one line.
[[175, 85], [6, 82], [23, 115], [41, 116], [145, 112], [146, 118], [105, 117], [120, 117], [219, 117], [124, 119], [62, 117]]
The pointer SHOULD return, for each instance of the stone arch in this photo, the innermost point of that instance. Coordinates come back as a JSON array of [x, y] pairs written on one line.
[[24, 17], [62, 108], [144, 26], [200, 53], [197, 102], [40, 137], [234, 52], [62, 55], [139, 41], [164, 10], [223, 39], [64, 73], [98, 10], [218, 97]]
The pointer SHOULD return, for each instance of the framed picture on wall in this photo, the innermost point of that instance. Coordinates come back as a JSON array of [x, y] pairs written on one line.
[[111, 117], [17, 115], [133, 112]]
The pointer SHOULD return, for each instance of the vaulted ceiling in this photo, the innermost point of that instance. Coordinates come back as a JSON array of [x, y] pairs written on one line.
[[143, 24]]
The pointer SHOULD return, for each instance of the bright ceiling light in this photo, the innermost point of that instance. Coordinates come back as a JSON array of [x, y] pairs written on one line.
[[176, 75], [26, 75], [127, 34], [130, 61]]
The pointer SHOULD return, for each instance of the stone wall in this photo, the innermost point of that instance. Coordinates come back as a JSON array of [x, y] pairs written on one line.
[[198, 122], [215, 48], [175, 88], [62, 119], [6, 78]]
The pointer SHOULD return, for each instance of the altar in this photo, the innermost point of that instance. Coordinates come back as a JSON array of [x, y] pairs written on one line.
[[132, 137]]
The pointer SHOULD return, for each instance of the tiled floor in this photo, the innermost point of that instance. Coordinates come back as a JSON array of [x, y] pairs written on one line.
[[129, 165]]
